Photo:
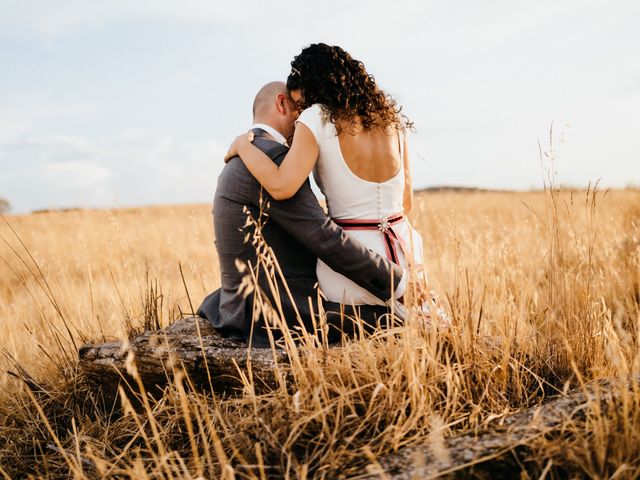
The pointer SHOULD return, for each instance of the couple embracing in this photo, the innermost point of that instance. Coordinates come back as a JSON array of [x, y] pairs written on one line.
[[366, 259]]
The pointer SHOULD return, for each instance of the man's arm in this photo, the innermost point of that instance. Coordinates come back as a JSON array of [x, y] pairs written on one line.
[[304, 219]]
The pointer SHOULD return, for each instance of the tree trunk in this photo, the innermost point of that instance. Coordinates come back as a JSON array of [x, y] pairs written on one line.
[[492, 453], [190, 345]]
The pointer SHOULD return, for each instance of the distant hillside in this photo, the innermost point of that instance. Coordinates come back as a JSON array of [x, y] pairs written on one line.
[[561, 187], [63, 209], [451, 188]]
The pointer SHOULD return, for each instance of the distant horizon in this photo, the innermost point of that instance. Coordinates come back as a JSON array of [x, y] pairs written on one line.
[[430, 189], [135, 103]]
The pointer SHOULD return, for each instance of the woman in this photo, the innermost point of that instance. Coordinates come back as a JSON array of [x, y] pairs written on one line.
[[353, 136]]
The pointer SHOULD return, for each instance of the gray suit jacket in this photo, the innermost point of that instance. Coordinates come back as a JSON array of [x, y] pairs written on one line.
[[299, 232]]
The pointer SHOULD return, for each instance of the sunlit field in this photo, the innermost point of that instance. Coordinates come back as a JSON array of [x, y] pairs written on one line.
[[543, 289]]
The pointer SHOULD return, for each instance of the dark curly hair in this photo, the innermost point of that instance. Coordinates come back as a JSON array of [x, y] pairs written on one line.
[[328, 75]]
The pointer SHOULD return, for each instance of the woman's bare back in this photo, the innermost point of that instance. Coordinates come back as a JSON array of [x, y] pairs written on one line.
[[372, 155]]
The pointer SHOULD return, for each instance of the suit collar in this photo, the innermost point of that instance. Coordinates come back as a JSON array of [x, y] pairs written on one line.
[[277, 136]]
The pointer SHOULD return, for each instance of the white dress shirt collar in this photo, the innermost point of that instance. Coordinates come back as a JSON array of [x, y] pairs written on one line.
[[277, 136]]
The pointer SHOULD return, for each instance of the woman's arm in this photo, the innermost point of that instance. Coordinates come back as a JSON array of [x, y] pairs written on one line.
[[282, 182], [407, 200]]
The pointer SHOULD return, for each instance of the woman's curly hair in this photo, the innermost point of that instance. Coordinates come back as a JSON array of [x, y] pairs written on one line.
[[330, 76]]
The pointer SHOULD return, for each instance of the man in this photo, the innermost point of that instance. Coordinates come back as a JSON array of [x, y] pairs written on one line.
[[298, 232]]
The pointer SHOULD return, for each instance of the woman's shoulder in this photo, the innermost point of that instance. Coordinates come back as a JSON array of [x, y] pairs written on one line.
[[315, 111], [316, 118]]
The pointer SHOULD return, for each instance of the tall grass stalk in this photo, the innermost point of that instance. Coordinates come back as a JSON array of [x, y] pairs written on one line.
[[543, 290]]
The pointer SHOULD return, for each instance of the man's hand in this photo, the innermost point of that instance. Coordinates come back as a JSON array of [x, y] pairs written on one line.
[[236, 146]]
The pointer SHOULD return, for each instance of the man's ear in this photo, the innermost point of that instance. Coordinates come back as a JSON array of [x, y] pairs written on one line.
[[281, 103]]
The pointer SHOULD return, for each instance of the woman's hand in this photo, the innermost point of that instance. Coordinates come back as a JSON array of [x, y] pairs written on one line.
[[238, 143], [284, 180], [417, 292]]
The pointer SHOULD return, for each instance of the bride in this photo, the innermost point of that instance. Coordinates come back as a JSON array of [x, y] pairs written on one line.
[[352, 135]]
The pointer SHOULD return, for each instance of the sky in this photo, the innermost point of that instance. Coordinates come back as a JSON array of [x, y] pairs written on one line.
[[124, 103]]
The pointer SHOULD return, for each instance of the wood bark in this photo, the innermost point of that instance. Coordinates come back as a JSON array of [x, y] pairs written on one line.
[[193, 346], [190, 345], [492, 452]]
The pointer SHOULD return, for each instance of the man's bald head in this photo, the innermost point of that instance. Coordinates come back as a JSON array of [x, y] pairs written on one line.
[[266, 98], [273, 106]]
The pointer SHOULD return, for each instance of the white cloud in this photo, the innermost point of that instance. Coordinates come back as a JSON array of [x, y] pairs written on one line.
[[62, 176], [52, 170], [483, 81], [134, 167], [181, 171], [66, 17], [17, 116], [49, 148], [29, 153]]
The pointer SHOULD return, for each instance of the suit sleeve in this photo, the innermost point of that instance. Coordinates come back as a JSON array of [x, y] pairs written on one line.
[[305, 220]]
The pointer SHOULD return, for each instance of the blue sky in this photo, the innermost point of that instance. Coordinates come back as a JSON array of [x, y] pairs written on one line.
[[134, 102]]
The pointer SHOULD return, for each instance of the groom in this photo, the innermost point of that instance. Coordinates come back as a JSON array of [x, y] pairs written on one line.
[[298, 232]]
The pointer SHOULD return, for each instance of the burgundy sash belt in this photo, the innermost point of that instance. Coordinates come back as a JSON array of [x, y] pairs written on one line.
[[385, 225]]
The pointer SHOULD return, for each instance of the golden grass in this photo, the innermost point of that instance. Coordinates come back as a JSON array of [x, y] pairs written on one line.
[[96, 263], [553, 277]]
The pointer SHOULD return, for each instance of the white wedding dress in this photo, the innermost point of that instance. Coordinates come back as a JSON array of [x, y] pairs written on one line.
[[364, 209]]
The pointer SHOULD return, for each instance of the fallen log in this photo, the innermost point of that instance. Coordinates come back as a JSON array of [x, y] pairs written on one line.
[[193, 346], [189, 345], [492, 453]]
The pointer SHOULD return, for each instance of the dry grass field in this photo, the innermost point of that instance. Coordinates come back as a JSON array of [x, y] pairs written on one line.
[[554, 276]]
